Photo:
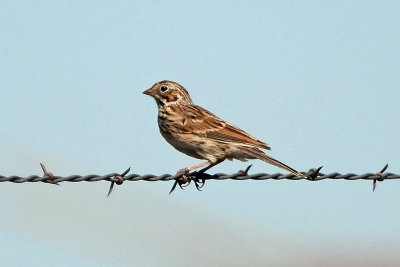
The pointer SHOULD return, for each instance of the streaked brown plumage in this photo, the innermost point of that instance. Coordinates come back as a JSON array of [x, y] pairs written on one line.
[[200, 134]]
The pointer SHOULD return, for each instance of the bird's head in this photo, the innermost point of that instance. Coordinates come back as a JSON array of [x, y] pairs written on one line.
[[168, 92]]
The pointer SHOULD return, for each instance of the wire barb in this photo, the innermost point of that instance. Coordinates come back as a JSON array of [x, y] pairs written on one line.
[[119, 181], [312, 174], [48, 175], [245, 172], [381, 177]]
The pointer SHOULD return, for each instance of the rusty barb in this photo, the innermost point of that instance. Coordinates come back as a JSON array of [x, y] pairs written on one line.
[[120, 180], [380, 178], [48, 175], [198, 178]]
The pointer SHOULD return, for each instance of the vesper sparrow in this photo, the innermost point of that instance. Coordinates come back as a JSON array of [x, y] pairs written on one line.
[[200, 134]]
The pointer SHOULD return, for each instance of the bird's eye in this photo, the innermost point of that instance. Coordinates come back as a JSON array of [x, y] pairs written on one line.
[[163, 88]]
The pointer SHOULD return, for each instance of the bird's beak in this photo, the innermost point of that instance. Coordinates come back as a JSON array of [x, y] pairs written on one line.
[[149, 92]]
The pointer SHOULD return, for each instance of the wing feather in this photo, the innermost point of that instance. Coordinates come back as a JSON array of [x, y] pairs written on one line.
[[197, 120]]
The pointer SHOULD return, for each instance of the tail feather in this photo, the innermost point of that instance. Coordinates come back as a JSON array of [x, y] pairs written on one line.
[[257, 153]]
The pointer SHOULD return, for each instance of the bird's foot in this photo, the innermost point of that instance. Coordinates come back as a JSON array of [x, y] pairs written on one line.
[[198, 179], [187, 177], [185, 180], [182, 181]]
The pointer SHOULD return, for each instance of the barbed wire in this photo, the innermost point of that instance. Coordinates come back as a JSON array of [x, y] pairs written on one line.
[[198, 178]]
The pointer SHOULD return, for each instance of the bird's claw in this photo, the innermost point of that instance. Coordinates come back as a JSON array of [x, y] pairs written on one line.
[[185, 181], [186, 178], [182, 181], [198, 182]]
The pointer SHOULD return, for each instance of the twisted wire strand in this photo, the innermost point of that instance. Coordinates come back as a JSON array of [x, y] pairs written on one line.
[[198, 178], [112, 177]]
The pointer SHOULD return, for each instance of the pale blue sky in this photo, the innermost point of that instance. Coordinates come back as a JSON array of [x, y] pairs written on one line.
[[319, 82]]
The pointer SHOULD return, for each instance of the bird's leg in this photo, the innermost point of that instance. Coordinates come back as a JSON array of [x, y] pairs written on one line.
[[199, 183], [186, 171], [187, 177], [209, 166], [191, 168]]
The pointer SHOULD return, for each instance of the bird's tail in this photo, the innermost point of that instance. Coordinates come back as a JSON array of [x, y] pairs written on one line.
[[257, 153]]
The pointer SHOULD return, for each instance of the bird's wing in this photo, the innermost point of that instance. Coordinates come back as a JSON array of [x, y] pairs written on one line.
[[197, 120]]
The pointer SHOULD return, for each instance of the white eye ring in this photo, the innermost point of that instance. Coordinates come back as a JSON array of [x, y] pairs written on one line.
[[163, 88]]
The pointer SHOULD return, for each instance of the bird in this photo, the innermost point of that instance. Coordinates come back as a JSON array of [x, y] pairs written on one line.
[[198, 133]]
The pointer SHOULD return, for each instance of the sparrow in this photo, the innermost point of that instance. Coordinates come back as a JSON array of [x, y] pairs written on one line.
[[198, 133]]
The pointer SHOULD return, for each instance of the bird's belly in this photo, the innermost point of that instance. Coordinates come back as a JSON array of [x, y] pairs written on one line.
[[182, 144], [202, 148]]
